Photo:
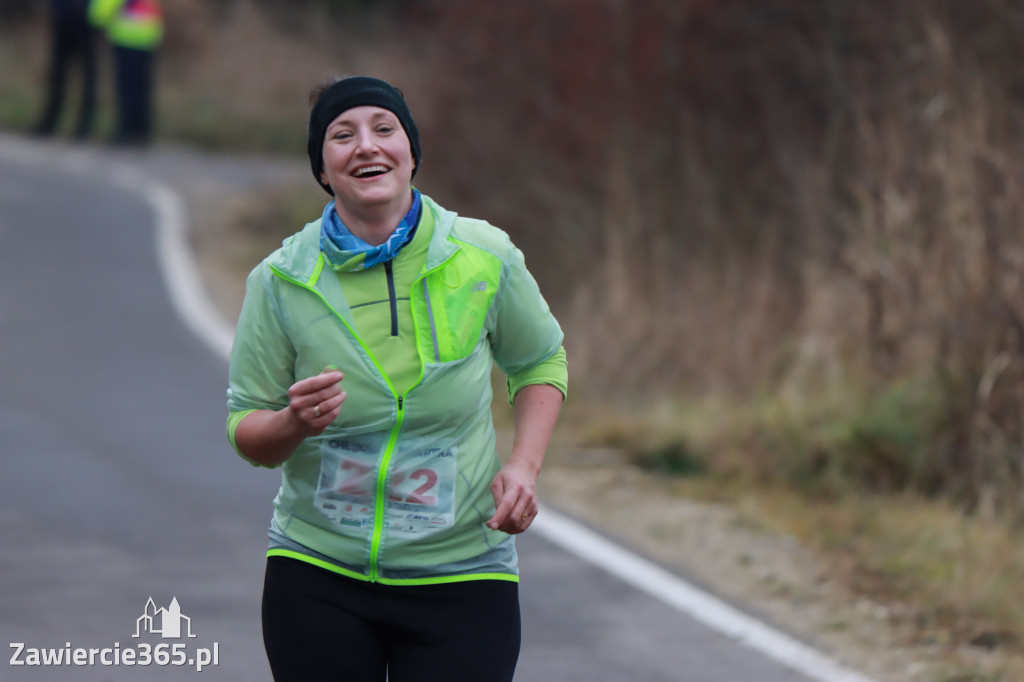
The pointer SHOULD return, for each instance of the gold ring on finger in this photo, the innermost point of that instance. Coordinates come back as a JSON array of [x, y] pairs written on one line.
[[316, 410]]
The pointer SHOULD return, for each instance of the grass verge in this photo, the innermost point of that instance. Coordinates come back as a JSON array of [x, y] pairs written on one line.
[[952, 582]]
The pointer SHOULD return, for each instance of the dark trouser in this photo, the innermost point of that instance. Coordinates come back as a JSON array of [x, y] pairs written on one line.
[[72, 40], [319, 626], [134, 77]]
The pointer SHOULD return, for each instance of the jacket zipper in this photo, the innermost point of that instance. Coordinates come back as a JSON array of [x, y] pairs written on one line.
[[382, 473], [391, 297], [382, 492]]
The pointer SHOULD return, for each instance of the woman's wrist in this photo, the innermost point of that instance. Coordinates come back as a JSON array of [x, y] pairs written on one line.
[[527, 459]]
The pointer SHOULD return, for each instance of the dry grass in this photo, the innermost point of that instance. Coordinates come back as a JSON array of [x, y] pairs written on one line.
[[946, 583], [949, 583]]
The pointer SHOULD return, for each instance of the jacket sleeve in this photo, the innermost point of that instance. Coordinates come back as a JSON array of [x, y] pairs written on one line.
[[262, 365], [552, 371], [526, 339]]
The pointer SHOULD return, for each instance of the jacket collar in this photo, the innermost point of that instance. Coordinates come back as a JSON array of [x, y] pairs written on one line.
[[300, 257]]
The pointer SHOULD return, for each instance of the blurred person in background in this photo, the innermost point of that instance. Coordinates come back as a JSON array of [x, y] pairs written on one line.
[[72, 42], [135, 29], [362, 366]]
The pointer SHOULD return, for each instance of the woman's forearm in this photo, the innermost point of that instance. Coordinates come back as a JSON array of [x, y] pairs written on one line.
[[515, 487], [537, 407], [267, 437]]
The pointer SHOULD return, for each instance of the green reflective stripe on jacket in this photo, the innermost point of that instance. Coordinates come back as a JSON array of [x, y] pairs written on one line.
[[382, 494], [397, 489], [326, 565]]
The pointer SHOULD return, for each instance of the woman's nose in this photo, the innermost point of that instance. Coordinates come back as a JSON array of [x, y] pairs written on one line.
[[365, 141]]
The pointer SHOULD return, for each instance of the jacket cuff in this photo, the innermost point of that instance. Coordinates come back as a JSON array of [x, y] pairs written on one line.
[[553, 371], [234, 419]]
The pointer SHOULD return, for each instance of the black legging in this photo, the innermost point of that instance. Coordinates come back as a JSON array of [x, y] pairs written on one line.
[[319, 626]]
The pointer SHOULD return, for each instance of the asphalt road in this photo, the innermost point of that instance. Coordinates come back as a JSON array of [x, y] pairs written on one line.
[[117, 485]]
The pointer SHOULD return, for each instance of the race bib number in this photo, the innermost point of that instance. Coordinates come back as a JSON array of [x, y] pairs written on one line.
[[421, 493], [420, 489], [347, 481]]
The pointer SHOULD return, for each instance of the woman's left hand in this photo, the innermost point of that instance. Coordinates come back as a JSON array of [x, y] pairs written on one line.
[[515, 498]]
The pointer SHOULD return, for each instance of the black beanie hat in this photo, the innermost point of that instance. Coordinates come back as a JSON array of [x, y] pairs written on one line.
[[356, 91]]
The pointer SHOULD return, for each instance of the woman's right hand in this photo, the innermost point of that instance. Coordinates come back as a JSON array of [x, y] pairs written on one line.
[[269, 437], [315, 402]]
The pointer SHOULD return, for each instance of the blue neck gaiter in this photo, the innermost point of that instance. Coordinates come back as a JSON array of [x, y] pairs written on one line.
[[348, 253]]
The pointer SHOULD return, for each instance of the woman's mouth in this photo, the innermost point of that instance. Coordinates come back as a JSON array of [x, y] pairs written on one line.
[[370, 171]]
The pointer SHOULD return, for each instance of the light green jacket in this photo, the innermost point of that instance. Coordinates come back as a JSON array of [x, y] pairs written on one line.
[[397, 489]]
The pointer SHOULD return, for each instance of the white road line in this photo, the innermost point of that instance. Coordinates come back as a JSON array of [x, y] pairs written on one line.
[[175, 256], [201, 317], [679, 594], [181, 273]]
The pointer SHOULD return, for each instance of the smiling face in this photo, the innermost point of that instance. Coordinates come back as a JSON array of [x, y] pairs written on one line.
[[367, 161]]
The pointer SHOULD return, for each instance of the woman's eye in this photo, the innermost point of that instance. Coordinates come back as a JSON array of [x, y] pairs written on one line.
[[385, 130]]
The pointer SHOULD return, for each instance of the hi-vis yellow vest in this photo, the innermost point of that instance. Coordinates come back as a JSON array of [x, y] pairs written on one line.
[[138, 24]]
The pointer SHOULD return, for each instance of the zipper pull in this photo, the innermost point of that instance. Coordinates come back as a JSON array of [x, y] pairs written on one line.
[[401, 399]]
